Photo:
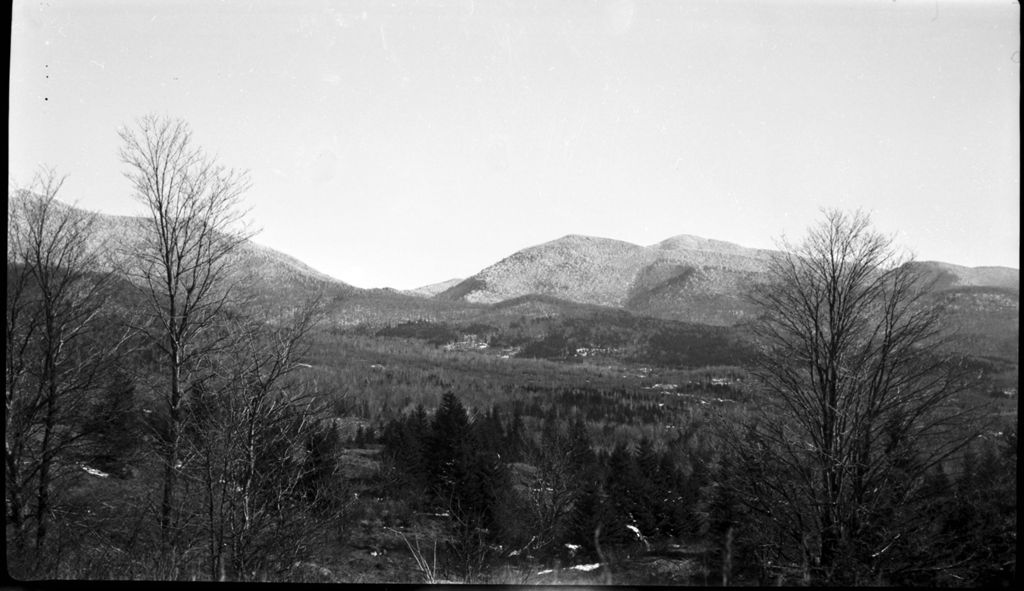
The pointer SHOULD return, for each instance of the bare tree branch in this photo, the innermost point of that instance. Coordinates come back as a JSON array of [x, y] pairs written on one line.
[[860, 403], [194, 225]]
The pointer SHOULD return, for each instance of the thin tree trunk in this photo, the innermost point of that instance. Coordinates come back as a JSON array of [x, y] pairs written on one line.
[[46, 458], [17, 507], [727, 557], [167, 506]]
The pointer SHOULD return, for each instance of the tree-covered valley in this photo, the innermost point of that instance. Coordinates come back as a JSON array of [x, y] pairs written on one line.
[[182, 404]]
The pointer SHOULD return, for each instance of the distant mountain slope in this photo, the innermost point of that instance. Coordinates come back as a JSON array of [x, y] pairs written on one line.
[[985, 320], [946, 275], [684, 277], [576, 268], [694, 279], [433, 289], [266, 273]]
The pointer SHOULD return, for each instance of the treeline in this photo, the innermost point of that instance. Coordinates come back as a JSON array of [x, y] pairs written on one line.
[[511, 494]]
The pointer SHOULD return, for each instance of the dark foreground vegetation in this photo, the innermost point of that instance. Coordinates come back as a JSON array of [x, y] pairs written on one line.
[[161, 423]]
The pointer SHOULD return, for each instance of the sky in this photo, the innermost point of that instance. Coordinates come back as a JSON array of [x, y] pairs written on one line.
[[401, 143]]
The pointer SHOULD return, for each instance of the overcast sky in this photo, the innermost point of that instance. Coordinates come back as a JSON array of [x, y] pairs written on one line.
[[404, 143]]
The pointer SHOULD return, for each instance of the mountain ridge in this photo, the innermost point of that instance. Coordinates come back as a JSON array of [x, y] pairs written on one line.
[[683, 277], [265, 271]]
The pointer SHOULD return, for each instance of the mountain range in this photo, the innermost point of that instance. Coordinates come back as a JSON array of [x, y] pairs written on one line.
[[683, 278]]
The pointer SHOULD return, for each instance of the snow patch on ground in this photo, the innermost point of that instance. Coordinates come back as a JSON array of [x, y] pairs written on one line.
[[95, 472]]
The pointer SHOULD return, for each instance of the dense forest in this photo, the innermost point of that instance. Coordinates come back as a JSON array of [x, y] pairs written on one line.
[[165, 420]]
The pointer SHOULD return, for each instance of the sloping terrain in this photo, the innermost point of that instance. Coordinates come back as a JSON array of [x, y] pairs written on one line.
[[696, 280], [947, 276], [986, 320], [981, 304], [577, 268], [429, 291], [682, 278], [267, 274]]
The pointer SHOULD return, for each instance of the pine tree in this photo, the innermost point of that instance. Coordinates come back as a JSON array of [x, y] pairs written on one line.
[[480, 492], [649, 505], [466, 481], [580, 448], [590, 518], [449, 445], [515, 441], [489, 432], [622, 487], [419, 423], [679, 501]]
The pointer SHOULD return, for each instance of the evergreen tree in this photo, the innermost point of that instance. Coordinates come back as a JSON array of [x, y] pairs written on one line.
[[622, 487], [449, 445], [580, 448], [419, 423], [979, 519], [679, 501], [405, 448], [466, 480], [649, 501], [489, 432], [590, 518], [480, 492], [515, 438], [550, 432]]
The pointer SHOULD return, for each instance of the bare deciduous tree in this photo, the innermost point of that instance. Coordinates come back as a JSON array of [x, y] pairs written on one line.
[[248, 430], [193, 227], [861, 403], [55, 291], [549, 495]]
